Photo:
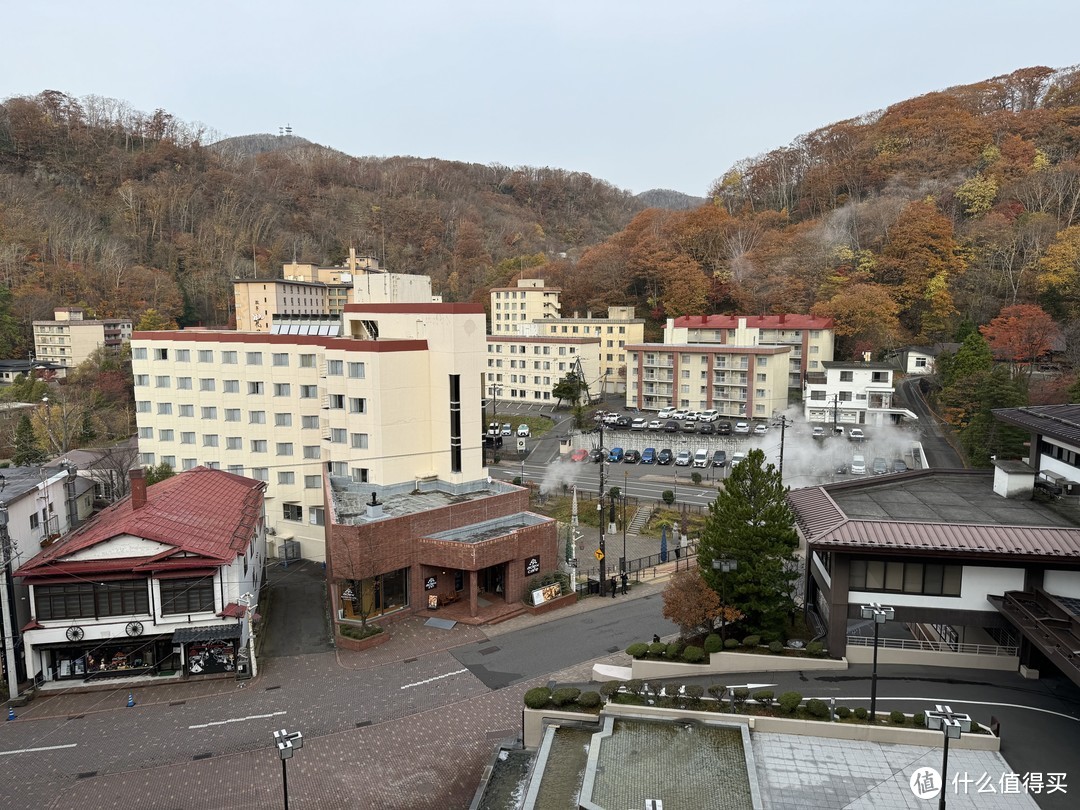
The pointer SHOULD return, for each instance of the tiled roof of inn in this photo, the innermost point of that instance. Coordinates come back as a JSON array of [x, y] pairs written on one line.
[[210, 514], [933, 513], [1061, 422]]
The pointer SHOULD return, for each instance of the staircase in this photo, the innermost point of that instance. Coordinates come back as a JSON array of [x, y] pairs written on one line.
[[641, 517]]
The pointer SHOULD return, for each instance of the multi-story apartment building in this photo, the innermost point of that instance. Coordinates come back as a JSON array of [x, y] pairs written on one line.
[[810, 338], [619, 328], [746, 381], [525, 369], [258, 300], [338, 280], [514, 307], [372, 407], [852, 393], [70, 338]]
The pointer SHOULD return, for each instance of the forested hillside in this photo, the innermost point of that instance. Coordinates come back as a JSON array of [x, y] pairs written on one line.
[[904, 224], [122, 211]]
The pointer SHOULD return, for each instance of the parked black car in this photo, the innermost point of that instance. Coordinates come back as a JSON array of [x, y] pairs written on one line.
[[622, 423], [706, 428], [598, 455], [719, 458], [665, 456], [723, 428], [671, 427], [631, 457]]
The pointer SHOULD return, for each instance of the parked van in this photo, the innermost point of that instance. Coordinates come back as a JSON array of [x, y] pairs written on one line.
[[858, 464], [709, 416], [701, 458]]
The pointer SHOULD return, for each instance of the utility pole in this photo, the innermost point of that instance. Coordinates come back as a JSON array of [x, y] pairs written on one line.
[[783, 422], [600, 514]]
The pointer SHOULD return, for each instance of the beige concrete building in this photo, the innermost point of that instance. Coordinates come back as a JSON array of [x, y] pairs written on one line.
[[521, 368], [619, 328], [737, 381], [515, 307], [70, 338], [258, 300], [810, 338], [393, 403]]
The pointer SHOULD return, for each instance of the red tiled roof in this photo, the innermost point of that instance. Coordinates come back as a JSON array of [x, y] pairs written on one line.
[[209, 514], [753, 322], [233, 611]]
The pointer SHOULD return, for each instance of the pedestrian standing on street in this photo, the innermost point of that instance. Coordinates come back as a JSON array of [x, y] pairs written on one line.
[[625, 583], [614, 586]]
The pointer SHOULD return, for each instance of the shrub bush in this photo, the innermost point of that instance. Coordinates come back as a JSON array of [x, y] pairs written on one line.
[[860, 713], [359, 633], [657, 648], [764, 697], [668, 497], [897, 718], [919, 720], [740, 696], [695, 477], [717, 690], [713, 643], [730, 644], [751, 641], [638, 650], [693, 655], [634, 686], [694, 692], [589, 700], [673, 690], [537, 697], [815, 648], [843, 712], [565, 695], [673, 651], [817, 708], [610, 688], [789, 702], [775, 647]]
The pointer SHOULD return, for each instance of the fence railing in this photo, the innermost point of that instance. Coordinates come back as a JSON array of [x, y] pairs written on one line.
[[641, 569], [933, 646]]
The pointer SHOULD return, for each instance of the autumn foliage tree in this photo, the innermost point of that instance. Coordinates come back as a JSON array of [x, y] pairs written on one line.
[[1021, 334], [692, 604]]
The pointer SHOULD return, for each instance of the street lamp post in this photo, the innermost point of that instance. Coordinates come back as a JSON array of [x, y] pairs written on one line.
[[287, 742], [879, 615], [952, 725], [7, 605], [723, 566], [622, 562]]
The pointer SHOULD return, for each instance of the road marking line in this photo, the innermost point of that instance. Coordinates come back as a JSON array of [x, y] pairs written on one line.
[[436, 678], [34, 750], [959, 701], [236, 720]]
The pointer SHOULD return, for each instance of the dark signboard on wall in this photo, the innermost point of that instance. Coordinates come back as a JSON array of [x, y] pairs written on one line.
[[532, 566]]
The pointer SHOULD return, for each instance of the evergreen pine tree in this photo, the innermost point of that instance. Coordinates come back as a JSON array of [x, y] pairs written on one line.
[[28, 452]]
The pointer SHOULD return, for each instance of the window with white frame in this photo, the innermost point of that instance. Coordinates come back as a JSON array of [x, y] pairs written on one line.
[[228, 358], [183, 383], [234, 443], [309, 422], [231, 386], [187, 411], [210, 440], [284, 448], [232, 414], [335, 368], [359, 440], [258, 445], [312, 481], [280, 359], [286, 477], [357, 405], [283, 419], [253, 358], [207, 384], [312, 451], [356, 371], [256, 417], [209, 412], [255, 387], [164, 408], [282, 389]]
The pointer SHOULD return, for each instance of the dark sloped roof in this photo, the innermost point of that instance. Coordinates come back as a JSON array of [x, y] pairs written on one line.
[[1061, 422]]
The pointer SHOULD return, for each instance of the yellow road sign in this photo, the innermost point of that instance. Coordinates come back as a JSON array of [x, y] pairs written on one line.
[[598, 554]]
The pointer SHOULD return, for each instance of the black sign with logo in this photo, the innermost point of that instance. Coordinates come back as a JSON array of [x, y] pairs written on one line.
[[532, 566], [430, 583]]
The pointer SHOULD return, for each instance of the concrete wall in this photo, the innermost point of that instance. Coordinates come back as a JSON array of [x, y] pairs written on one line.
[[533, 727], [930, 658], [1062, 583], [727, 662]]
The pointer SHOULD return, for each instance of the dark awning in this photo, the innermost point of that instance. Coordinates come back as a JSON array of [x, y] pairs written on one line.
[[218, 631]]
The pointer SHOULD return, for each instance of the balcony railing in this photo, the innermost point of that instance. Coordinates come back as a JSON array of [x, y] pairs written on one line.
[[933, 646]]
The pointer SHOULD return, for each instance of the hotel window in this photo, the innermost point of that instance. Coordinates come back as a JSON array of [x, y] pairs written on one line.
[[255, 388], [338, 468], [312, 451], [183, 383], [232, 414], [231, 386], [317, 515], [359, 475], [187, 411], [258, 445], [183, 355], [357, 405], [142, 379], [146, 433], [209, 412], [282, 389], [292, 511], [166, 435], [206, 356], [169, 460], [260, 473], [309, 392], [280, 359], [283, 419], [335, 368], [164, 408], [235, 469], [309, 422], [286, 477], [234, 443], [187, 437], [207, 384], [284, 448], [359, 441], [228, 358], [210, 440], [356, 371], [161, 354], [256, 417], [337, 402], [338, 435], [253, 358], [138, 353], [142, 406], [188, 464], [307, 361], [146, 459], [312, 481]]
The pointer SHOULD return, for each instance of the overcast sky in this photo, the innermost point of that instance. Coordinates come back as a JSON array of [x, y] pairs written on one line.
[[642, 94]]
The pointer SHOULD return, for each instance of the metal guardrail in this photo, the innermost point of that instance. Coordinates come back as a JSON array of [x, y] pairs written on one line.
[[934, 646]]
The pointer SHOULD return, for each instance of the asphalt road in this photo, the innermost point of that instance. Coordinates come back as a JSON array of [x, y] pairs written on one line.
[[526, 654], [939, 453]]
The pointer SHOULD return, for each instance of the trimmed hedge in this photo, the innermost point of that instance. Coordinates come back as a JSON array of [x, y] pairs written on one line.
[[694, 692], [817, 708], [919, 719], [589, 700], [775, 647], [638, 650], [788, 702], [897, 718], [860, 713], [538, 697], [359, 633], [751, 641], [730, 644], [693, 655], [565, 696], [843, 712], [713, 643], [673, 651], [740, 697], [717, 690], [657, 648], [610, 688], [764, 697], [815, 648]]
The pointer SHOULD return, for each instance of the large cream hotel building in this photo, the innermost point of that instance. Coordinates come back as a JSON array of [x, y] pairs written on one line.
[[392, 403]]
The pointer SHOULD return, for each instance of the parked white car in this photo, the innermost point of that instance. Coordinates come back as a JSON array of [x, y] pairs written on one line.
[[666, 413], [523, 431], [683, 459], [709, 416], [742, 427], [760, 429], [701, 458]]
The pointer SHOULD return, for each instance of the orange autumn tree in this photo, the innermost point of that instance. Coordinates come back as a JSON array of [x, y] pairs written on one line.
[[693, 605], [1020, 334]]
